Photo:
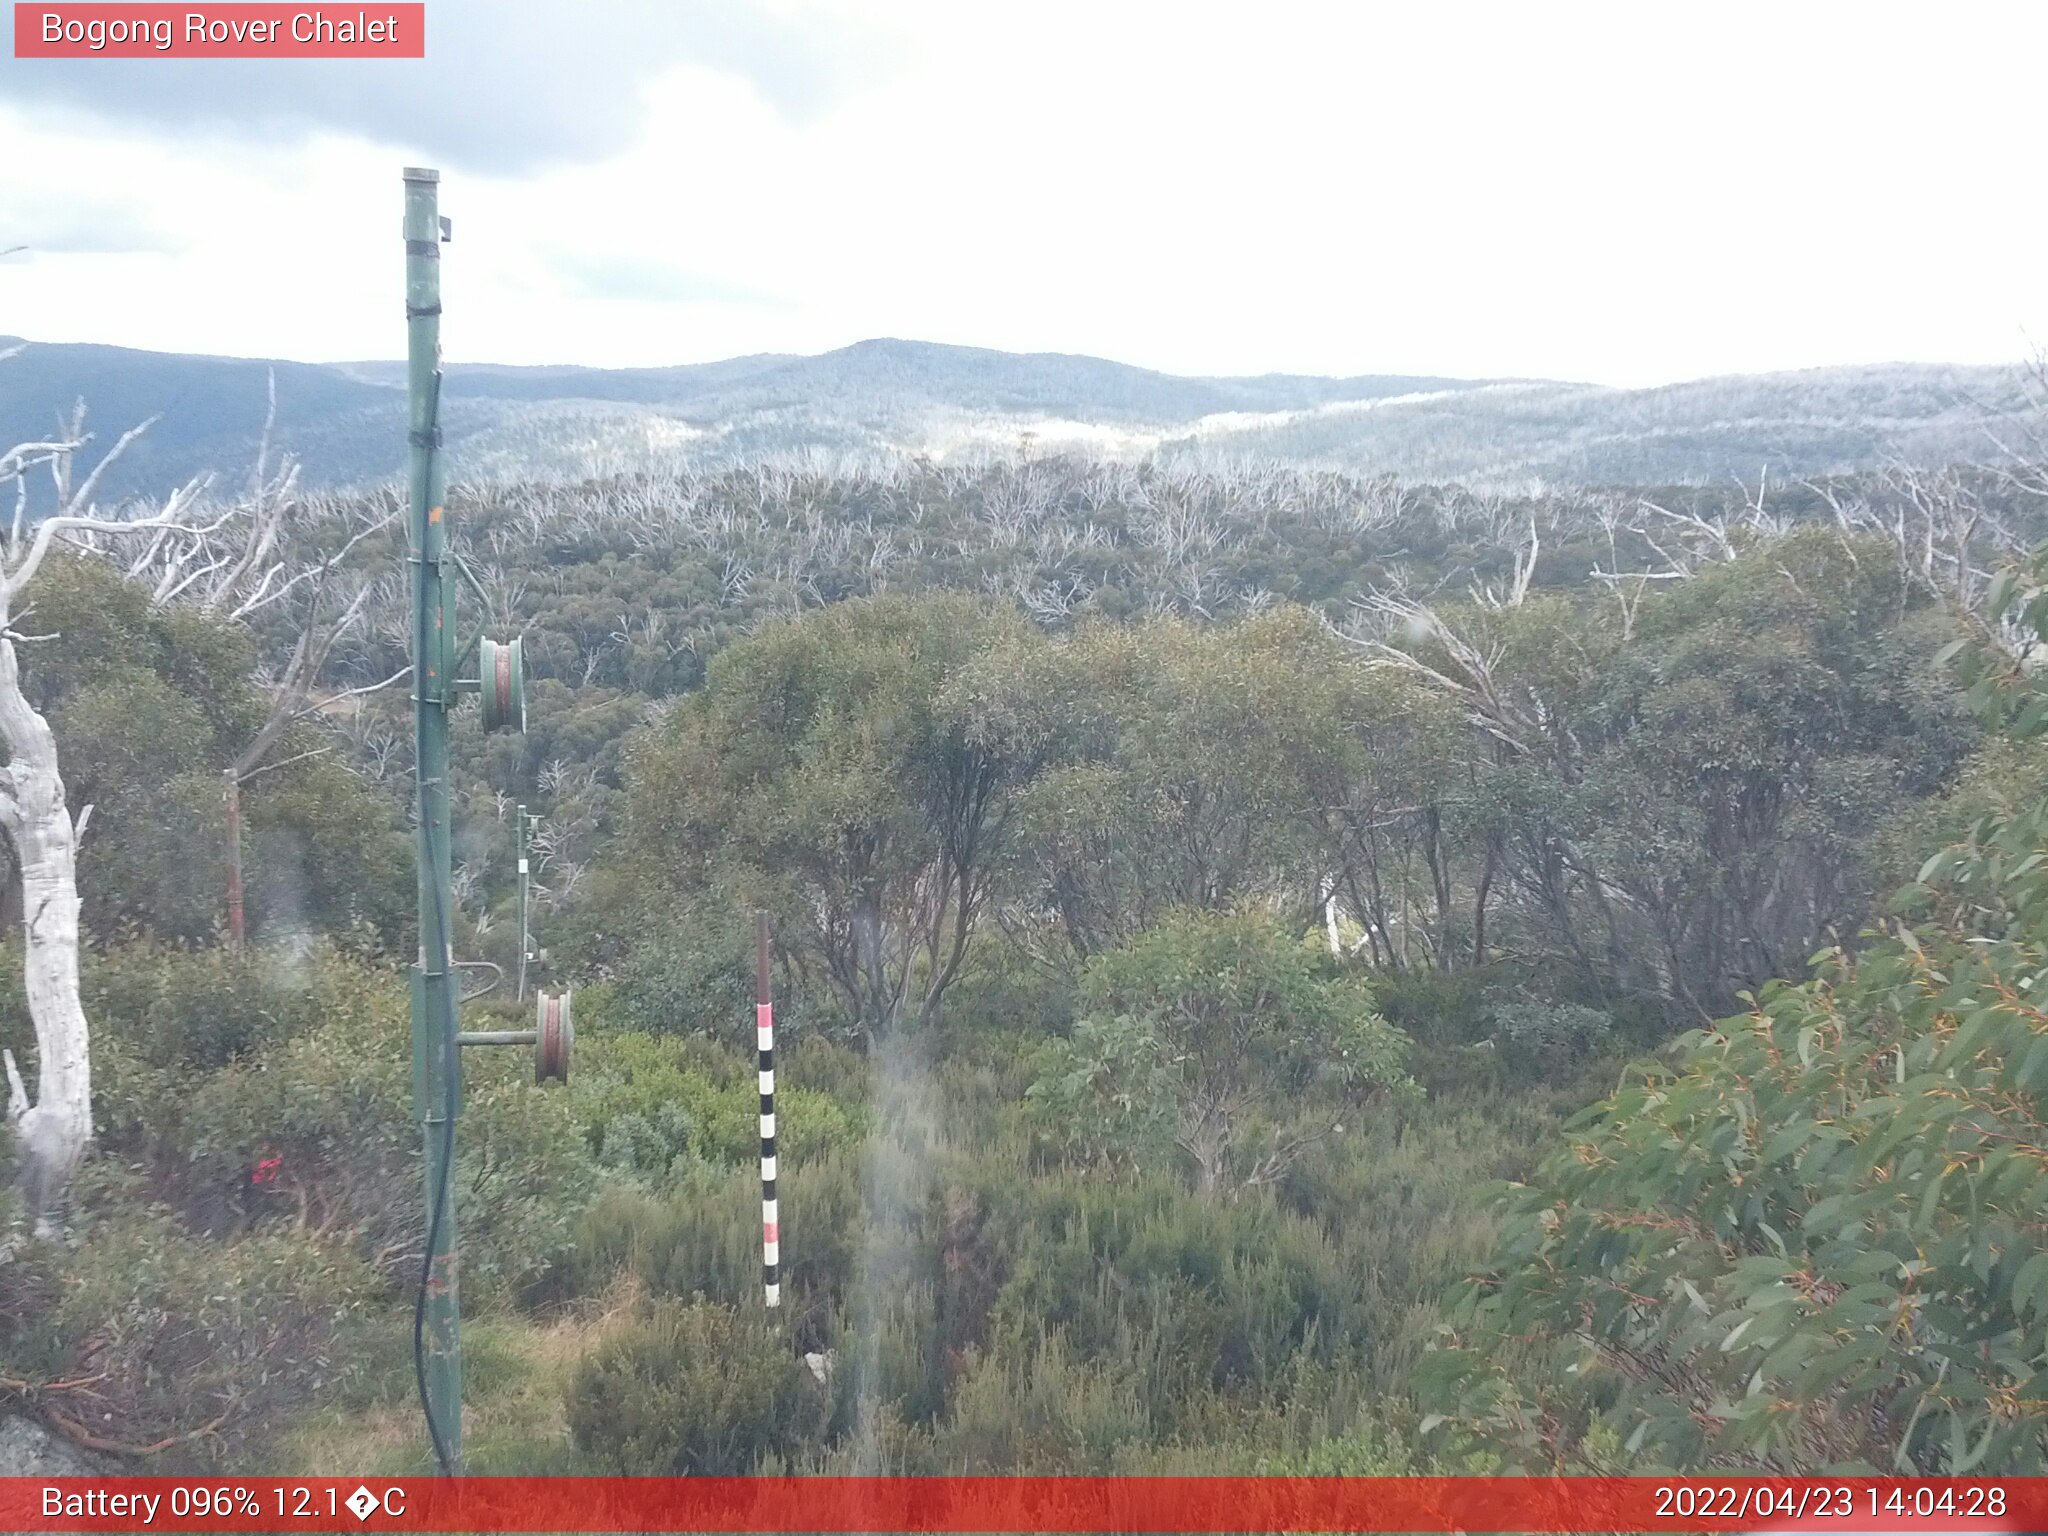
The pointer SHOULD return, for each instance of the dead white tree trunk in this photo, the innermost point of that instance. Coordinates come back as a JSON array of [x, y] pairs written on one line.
[[51, 1134], [53, 1129]]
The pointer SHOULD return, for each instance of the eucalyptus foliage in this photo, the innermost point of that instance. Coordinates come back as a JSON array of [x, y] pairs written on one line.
[[1811, 1237], [1204, 1038]]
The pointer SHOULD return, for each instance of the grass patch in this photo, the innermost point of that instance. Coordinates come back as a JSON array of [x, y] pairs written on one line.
[[515, 1371]]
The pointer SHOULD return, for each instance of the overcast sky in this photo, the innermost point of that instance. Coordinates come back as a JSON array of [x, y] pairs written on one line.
[[1628, 194]]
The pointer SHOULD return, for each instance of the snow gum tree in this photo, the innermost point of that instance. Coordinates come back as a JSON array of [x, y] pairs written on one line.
[[53, 1128]]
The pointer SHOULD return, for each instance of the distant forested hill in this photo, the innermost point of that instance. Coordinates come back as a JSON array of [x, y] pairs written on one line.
[[896, 397]]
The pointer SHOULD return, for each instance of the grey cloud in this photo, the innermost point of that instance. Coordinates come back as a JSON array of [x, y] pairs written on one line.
[[507, 85]]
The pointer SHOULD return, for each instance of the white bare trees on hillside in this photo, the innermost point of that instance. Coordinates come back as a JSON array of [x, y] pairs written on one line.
[[254, 562]]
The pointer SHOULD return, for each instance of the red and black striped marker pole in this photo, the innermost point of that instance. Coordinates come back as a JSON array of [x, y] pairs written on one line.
[[764, 1030]]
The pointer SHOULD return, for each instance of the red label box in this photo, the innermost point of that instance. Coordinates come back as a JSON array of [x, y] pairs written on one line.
[[263, 30]]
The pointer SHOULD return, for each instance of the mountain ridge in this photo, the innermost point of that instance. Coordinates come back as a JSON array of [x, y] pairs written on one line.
[[892, 395]]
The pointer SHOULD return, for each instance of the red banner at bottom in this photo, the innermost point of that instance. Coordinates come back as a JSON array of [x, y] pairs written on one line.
[[1005, 1504]]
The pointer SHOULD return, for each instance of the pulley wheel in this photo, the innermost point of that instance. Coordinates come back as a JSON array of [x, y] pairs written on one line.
[[502, 675], [554, 1034]]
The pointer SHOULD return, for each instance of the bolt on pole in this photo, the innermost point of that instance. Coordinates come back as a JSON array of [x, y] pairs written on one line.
[[435, 998]]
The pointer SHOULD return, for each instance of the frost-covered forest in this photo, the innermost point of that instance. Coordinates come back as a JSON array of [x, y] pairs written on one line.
[[1280, 970], [886, 399]]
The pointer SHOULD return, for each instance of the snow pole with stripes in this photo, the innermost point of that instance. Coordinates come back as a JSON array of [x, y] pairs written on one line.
[[764, 1029]]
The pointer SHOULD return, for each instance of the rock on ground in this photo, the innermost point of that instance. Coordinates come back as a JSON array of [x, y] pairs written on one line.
[[29, 1450]]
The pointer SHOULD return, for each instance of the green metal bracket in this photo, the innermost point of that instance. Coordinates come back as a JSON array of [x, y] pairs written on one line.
[[468, 651]]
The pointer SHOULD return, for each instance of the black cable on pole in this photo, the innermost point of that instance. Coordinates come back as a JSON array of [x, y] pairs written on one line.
[[434, 1219], [438, 1212]]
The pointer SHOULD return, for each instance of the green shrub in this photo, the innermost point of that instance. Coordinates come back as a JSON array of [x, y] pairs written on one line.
[[694, 1389], [703, 1235], [524, 1174], [692, 972], [1821, 1217], [1441, 1008], [318, 1129], [1049, 1408], [1002, 989], [827, 1066], [1549, 1040], [1367, 1450], [648, 1101], [200, 1007], [1216, 1040], [175, 1338], [1208, 1294]]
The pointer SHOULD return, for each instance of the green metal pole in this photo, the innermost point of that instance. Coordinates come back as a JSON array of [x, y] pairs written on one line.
[[436, 1082]]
